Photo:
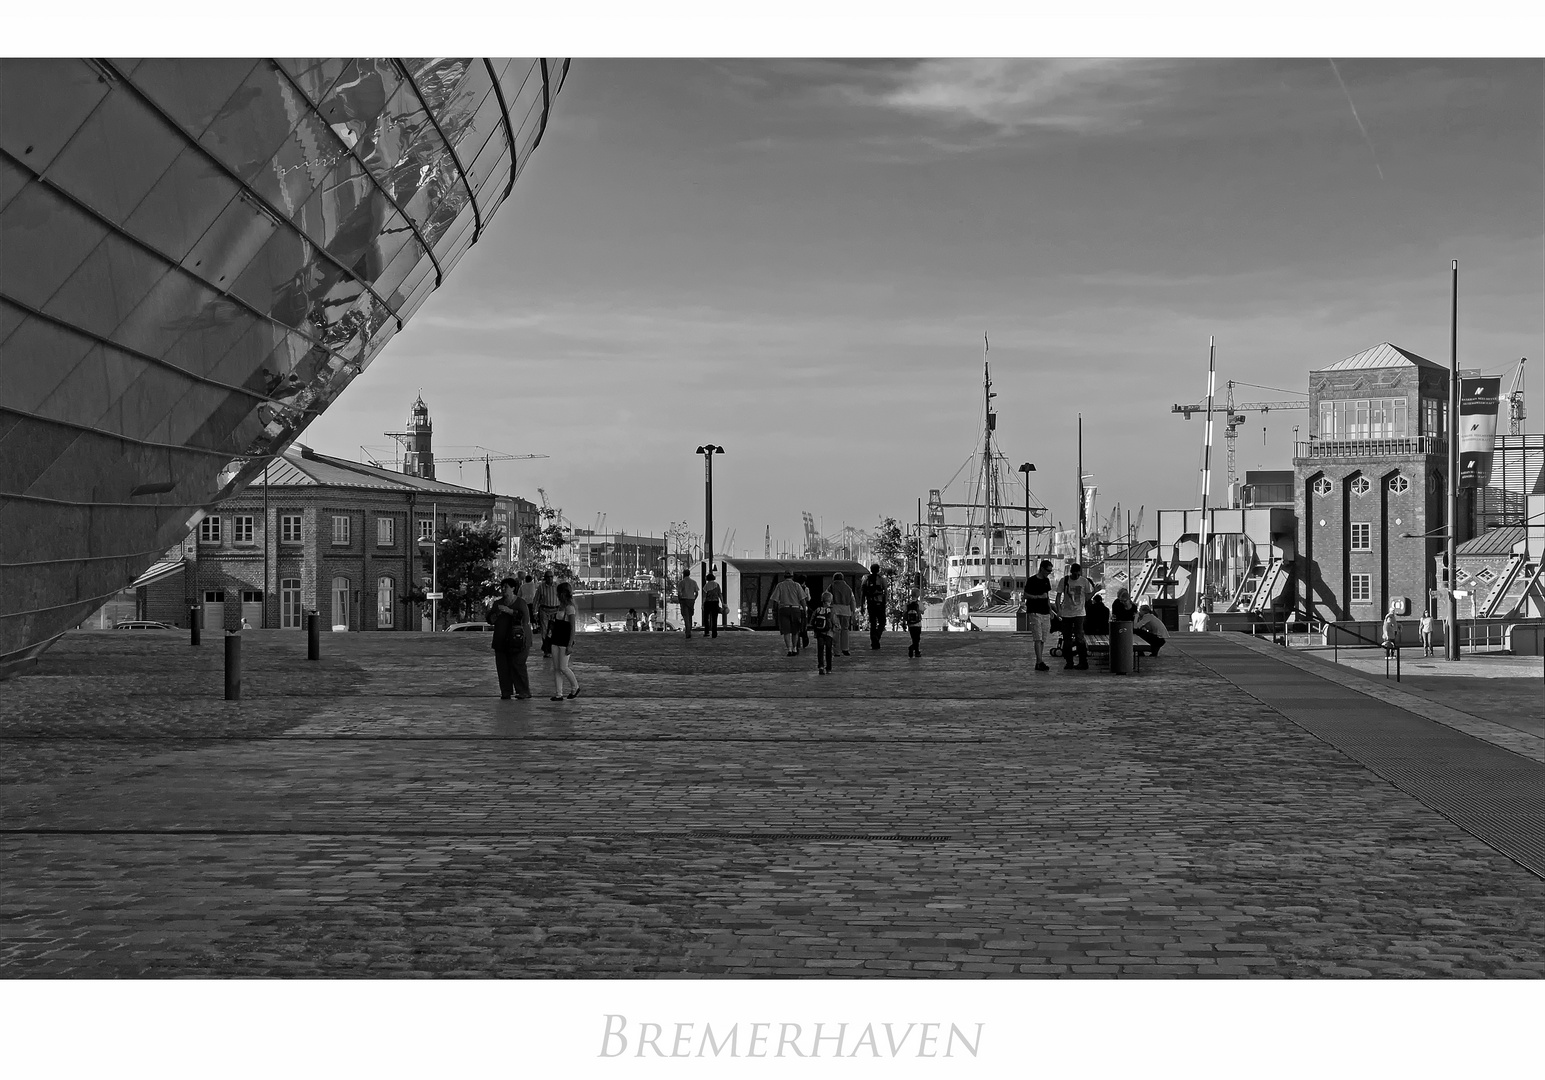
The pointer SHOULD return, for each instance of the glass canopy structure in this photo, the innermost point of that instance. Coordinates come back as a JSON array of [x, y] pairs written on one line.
[[196, 258]]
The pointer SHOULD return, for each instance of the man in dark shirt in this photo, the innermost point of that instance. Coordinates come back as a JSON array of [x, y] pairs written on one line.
[[512, 641], [1038, 610], [874, 592]]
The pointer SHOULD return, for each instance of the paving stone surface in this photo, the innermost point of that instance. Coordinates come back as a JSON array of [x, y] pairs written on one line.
[[712, 808]]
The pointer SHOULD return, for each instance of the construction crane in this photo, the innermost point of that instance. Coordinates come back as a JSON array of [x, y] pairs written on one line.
[[1515, 400], [487, 457], [1234, 418]]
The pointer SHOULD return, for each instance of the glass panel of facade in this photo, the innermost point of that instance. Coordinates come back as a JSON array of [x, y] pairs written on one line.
[[108, 285], [315, 75], [164, 315], [191, 91], [12, 178], [28, 382], [227, 246], [45, 102], [182, 205], [248, 129], [46, 240], [116, 156]]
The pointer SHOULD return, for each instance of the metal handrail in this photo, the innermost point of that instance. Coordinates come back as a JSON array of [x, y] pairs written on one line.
[[1395, 444]]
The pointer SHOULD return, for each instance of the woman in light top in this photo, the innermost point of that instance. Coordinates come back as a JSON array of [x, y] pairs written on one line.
[[562, 629]]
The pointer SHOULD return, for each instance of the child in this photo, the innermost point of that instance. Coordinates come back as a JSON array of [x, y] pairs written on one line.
[[822, 624], [914, 620], [1426, 626]]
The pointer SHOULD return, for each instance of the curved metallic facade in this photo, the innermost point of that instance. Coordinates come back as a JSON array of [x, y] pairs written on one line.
[[196, 257]]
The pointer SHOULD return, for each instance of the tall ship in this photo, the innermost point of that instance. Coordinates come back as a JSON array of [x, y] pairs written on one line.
[[198, 257], [979, 554]]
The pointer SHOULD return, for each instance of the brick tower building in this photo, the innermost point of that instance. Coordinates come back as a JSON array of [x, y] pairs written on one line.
[[419, 460], [1370, 485]]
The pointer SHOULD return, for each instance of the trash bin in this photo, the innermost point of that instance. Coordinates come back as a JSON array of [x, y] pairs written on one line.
[[1022, 621], [1120, 648]]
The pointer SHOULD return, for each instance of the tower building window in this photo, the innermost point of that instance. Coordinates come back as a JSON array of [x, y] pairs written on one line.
[[1361, 486], [1362, 588], [1362, 536], [1399, 485]]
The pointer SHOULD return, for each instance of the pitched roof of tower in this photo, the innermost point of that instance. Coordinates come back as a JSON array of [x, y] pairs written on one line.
[[1382, 355]]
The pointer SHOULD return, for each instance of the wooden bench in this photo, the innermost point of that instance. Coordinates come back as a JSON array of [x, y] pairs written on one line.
[[1099, 646]]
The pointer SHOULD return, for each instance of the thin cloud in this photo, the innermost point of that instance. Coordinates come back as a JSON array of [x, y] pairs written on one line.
[[1011, 97]]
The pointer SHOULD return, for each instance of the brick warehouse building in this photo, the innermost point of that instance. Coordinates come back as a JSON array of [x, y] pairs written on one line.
[[341, 538], [1370, 494]]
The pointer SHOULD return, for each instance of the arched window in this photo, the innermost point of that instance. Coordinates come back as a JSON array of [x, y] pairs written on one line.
[[340, 603], [386, 602]]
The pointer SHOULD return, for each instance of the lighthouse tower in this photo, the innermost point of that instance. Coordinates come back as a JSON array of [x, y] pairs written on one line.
[[420, 458]]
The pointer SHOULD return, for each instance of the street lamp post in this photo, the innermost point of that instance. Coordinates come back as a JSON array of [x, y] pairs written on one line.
[[708, 450], [1451, 638], [1027, 469]]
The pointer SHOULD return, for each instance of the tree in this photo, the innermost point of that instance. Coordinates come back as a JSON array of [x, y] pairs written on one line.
[[465, 567], [898, 552], [539, 541]]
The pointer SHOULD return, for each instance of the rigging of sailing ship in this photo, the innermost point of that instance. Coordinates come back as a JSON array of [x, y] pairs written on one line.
[[985, 557]]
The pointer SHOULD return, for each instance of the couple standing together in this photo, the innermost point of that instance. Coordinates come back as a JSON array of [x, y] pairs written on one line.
[[511, 616]]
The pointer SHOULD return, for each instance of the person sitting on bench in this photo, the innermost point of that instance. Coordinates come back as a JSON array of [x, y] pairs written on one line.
[[1149, 628]]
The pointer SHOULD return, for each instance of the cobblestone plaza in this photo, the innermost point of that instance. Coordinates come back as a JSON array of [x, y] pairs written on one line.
[[713, 808]]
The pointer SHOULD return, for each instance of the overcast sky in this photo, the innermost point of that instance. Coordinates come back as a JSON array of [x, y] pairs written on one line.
[[798, 260]]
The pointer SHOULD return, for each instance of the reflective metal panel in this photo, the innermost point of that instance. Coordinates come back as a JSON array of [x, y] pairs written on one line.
[[199, 257]]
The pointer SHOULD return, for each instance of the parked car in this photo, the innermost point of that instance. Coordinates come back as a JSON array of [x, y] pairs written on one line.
[[475, 627], [142, 624]]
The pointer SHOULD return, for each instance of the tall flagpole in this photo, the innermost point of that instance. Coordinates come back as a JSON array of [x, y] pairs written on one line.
[[1202, 537]]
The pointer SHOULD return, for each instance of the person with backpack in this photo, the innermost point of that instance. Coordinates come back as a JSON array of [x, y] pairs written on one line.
[[874, 592], [822, 624], [1072, 603], [914, 621], [712, 596]]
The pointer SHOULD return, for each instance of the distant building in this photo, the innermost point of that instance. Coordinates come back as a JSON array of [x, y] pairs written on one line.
[[1371, 495], [517, 518], [335, 536], [612, 560]]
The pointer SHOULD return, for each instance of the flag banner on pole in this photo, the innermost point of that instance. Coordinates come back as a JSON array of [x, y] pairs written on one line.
[[1478, 400]]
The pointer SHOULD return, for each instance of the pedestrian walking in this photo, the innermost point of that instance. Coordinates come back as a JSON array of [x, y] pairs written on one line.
[[788, 604], [874, 599], [843, 604], [1426, 629], [1199, 620], [805, 609], [547, 606], [1149, 627], [562, 632], [511, 620], [632, 621], [914, 621], [1038, 611], [713, 597], [528, 592], [686, 596], [1072, 603], [822, 622]]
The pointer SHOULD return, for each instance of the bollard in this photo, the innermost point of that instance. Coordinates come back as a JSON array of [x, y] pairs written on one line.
[[193, 621], [232, 667], [313, 636]]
